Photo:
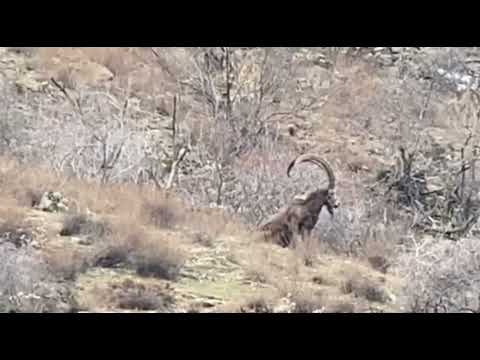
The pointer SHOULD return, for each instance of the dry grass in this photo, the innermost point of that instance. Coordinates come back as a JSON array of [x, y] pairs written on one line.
[[309, 250], [258, 304], [366, 110], [202, 239], [23, 186], [157, 259], [148, 253], [134, 68], [120, 61], [133, 295], [365, 288], [80, 224], [14, 228], [307, 301], [66, 263], [341, 307], [163, 215]]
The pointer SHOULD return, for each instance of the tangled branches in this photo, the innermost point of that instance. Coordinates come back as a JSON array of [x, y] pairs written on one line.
[[451, 208]]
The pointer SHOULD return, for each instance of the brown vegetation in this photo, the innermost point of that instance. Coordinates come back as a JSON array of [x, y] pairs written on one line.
[[170, 158]]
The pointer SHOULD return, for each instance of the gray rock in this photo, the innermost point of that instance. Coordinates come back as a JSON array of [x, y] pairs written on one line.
[[53, 202]]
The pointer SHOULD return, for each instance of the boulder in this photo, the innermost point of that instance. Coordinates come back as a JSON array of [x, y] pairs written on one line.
[[53, 202]]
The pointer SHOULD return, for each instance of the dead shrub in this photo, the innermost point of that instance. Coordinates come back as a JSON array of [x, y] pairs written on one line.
[[131, 245], [257, 275], [112, 256], [14, 229], [442, 276], [25, 184], [27, 285], [202, 238], [66, 264], [164, 215], [140, 301], [139, 297], [81, 224], [158, 260], [126, 238], [32, 198], [379, 263], [365, 288], [257, 304], [307, 301], [342, 307]]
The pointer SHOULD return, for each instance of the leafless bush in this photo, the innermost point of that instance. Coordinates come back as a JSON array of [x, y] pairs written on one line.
[[257, 304], [67, 264], [101, 133], [81, 224], [133, 296], [131, 246], [164, 263], [14, 229], [113, 255], [365, 288], [258, 91], [442, 276], [163, 215], [117, 249], [203, 239], [26, 285], [307, 302], [342, 307], [87, 135]]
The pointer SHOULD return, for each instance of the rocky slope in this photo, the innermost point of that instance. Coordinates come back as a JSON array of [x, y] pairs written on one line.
[[354, 105]]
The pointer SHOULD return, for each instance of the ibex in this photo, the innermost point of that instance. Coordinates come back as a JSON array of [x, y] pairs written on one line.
[[301, 215]]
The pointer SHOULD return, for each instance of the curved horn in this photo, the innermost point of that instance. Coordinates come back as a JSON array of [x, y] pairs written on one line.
[[317, 161]]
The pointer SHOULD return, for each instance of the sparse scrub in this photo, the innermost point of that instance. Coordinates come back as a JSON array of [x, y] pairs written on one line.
[[203, 239], [257, 274], [307, 302], [119, 247], [81, 224], [132, 246], [113, 255], [365, 288], [26, 284], [14, 229], [256, 305], [158, 261], [243, 114], [163, 215], [442, 276], [141, 301], [135, 296], [342, 307], [67, 264]]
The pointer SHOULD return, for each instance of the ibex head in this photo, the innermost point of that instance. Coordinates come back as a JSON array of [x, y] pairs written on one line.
[[329, 194]]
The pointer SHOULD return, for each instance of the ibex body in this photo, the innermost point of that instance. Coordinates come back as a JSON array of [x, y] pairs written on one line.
[[301, 215]]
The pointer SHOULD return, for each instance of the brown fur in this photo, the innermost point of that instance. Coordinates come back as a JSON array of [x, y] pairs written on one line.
[[301, 215]]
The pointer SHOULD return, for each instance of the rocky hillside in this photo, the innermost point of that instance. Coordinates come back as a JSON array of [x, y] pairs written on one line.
[[133, 179]]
